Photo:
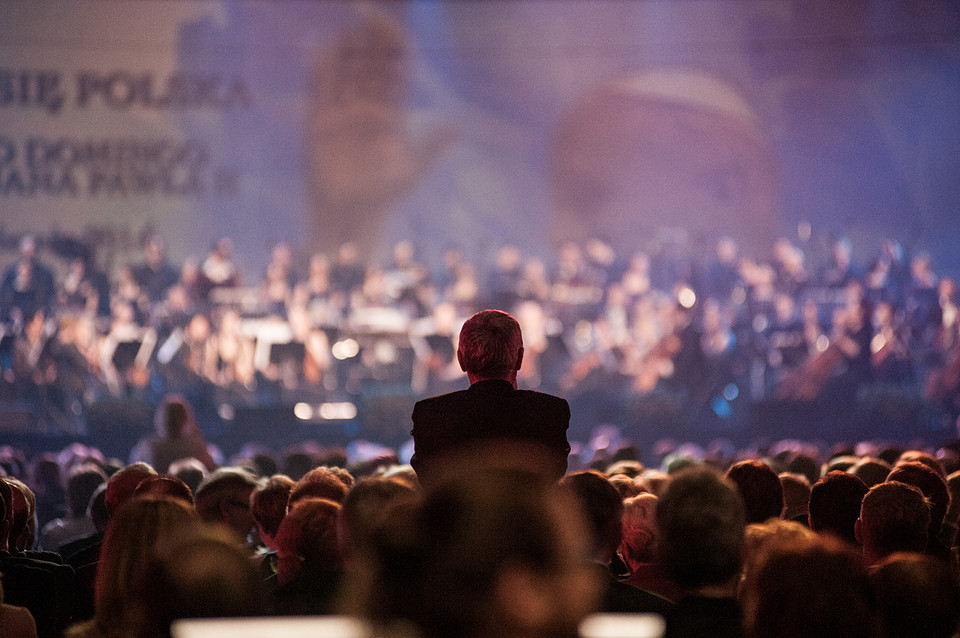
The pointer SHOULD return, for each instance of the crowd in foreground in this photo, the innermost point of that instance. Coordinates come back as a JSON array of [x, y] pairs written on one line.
[[782, 542]]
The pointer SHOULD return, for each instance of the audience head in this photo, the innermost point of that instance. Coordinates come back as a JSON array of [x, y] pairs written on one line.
[[165, 485], [140, 528], [268, 503], [928, 481], [796, 496], [842, 462], [894, 517], [296, 465], [759, 536], [123, 483], [760, 489], [174, 418], [638, 544], [630, 468], [917, 596], [189, 470], [491, 346], [653, 481], [809, 587], [20, 512], [918, 456], [953, 486], [203, 575], [370, 504], [804, 463], [307, 540], [602, 506], [28, 536], [264, 464], [97, 508], [701, 520], [224, 497], [835, 505], [320, 482], [82, 481], [870, 470], [488, 553], [626, 486]]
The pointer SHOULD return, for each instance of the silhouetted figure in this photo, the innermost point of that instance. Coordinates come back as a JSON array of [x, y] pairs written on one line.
[[490, 351]]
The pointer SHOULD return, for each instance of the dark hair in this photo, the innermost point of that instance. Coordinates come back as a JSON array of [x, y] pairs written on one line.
[[81, 484], [164, 485], [369, 504], [172, 416], [601, 504], [835, 504], [438, 564], [123, 484], [701, 521], [760, 488], [894, 517], [809, 587], [309, 533], [268, 502], [320, 482], [202, 576], [917, 596], [928, 481]]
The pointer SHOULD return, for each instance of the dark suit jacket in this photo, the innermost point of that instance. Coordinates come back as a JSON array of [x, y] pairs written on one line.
[[489, 411]]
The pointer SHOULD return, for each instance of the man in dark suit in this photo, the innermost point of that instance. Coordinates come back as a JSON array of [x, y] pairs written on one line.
[[492, 411]]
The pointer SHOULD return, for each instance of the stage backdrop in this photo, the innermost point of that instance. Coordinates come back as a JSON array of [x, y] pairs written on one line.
[[474, 124]]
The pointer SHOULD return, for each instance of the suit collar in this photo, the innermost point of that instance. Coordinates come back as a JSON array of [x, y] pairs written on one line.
[[492, 385]]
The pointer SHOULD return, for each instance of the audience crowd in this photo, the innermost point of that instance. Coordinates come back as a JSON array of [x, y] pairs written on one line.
[[785, 541], [807, 322], [781, 540]]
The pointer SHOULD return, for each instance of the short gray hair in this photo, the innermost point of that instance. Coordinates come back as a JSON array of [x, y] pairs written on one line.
[[490, 342]]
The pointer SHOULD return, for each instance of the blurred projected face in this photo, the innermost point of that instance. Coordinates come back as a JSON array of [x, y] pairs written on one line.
[[664, 149]]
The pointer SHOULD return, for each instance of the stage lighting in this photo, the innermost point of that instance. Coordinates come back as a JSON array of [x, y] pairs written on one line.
[[343, 411], [346, 349], [303, 411], [686, 297]]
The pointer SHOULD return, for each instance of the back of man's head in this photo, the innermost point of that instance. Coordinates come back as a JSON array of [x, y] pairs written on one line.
[[701, 522], [307, 539], [124, 482], [320, 482], [472, 558], [268, 503], [367, 506], [835, 504], [201, 576], [81, 484], [918, 456], [927, 480], [490, 345], [796, 496], [602, 506], [870, 470], [224, 497], [894, 517], [760, 488], [917, 595]]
